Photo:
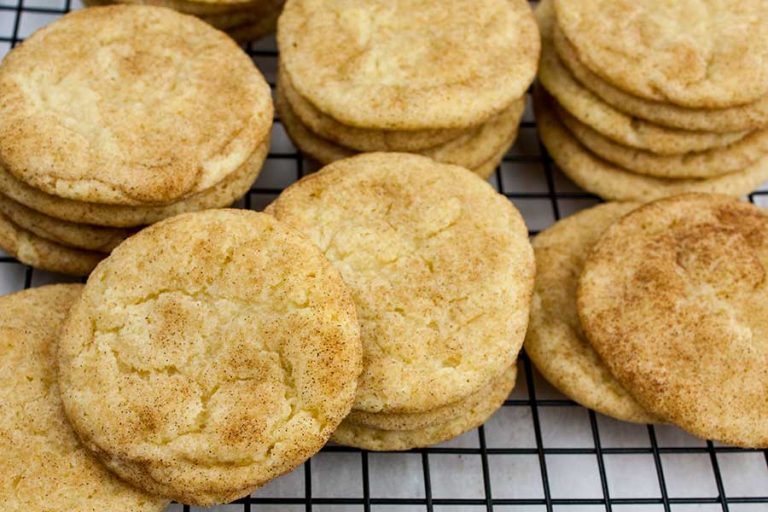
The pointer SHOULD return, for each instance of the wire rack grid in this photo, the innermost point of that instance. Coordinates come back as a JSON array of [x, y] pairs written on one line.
[[539, 452]]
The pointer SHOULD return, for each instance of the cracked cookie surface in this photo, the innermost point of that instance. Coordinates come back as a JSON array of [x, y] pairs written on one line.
[[129, 105], [673, 299], [210, 353], [439, 265], [43, 465]]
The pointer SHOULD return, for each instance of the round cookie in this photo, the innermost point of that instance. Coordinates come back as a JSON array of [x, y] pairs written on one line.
[[43, 465], [616, 184], [673, 298], [210, 353], [360, 139], [79, 236], [703, 164], [555, 342], [129, 105], [223, 194], [711, 54], [742, 117], [44, 254], [610, 122], [409, 64], [473, 150], [439, 265], [368, 438]]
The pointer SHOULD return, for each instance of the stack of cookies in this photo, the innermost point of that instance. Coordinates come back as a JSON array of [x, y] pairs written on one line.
[[243, 20], [112, 118], [441, 271], [656, 313], [646, 99], [442, 79]]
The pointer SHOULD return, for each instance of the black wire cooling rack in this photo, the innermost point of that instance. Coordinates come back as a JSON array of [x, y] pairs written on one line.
[[540, 452]]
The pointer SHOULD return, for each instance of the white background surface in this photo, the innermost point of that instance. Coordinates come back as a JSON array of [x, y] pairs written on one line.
[[581, 461]]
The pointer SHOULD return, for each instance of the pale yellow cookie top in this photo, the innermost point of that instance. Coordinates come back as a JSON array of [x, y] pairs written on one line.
[[409, 64], [673, 298], [210, 353], [555, 341], [439, 265], [129, 105], [43, 465], [693, 53]]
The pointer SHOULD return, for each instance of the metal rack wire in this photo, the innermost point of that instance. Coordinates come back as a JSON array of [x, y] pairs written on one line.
[[540, 452]]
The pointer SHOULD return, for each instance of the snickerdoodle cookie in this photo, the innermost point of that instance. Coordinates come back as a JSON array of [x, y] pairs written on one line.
[[446, 80], [440, 268], [692, 53], [645, 99], [210, 353], [129, 105], [673, 299]]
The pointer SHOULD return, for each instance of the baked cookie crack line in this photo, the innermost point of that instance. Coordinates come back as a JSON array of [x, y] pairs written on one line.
[[208, 392], [202, 296]]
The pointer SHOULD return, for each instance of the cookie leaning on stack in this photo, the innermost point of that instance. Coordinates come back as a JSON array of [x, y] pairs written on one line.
[[673, 298], [649, 119], [243, 20], [43, 465], [441, 271], [117, 117], [442, 79], [210, 353]]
